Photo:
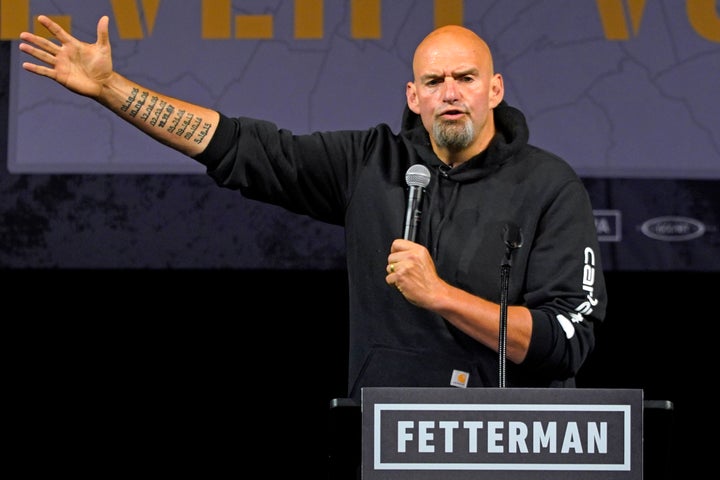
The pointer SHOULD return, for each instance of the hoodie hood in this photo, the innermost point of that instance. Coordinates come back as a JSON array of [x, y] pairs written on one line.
[[511, 136]]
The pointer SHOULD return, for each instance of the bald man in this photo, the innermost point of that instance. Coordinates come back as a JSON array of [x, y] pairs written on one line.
[[423, 312], [455, 91]]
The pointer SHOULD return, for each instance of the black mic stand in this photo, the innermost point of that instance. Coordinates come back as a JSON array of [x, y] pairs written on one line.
[[513, 240]]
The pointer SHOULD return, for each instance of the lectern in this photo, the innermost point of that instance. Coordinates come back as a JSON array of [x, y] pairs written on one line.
[[491, 433]]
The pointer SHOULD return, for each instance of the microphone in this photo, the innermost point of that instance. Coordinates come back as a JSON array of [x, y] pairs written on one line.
[[417, 178], [512, 238]]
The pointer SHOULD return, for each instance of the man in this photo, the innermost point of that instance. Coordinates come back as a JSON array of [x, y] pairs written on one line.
[[423, 313]]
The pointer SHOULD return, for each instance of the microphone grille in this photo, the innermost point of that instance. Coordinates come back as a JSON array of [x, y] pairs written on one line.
[[512, 236], [417, 176]]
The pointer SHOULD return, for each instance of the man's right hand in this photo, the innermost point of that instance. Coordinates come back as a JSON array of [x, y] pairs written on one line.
[[87, 69], [81, 67]]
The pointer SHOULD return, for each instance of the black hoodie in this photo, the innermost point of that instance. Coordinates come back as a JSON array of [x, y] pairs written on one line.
[[357, 179]]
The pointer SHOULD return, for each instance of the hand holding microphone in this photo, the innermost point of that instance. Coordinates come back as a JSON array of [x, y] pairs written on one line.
[[417, 178], [411, 270]]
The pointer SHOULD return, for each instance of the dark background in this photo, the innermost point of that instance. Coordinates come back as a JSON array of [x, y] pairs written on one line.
[[201, 369], [206, 370]]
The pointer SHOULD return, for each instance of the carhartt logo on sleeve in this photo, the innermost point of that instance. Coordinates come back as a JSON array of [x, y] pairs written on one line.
[[459, 379]]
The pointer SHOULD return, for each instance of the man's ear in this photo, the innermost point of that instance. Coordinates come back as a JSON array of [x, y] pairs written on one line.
[[412, 99], [496, 91]]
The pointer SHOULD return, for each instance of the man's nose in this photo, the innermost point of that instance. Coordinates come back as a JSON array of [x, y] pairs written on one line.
[[450, 92]]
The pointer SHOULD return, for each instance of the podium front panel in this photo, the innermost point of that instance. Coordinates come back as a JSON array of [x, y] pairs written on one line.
[[501, 433]]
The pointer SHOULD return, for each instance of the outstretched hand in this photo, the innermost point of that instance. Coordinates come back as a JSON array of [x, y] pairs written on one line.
[[81, 67]]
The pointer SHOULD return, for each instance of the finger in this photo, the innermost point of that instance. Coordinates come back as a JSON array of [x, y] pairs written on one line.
[[48, 45], [39, 70], [56, 30], [103, 37], [38, 41], [40, 54]]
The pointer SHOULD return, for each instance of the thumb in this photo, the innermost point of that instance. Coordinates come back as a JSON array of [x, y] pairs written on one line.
[[103, 38]]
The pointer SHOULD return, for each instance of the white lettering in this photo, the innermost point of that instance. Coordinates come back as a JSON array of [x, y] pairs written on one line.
[[502, 437], [517, 436], [544, 438], [589, 256], [588, 281], [403, 435], [597, 438], [588, 277], [572, 439], [449, 428], [494, 437], [603, 226], [588, 284], [472, 428], [425, 437]]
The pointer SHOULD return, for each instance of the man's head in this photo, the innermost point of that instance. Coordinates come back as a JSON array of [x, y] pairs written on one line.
[[454, 91]]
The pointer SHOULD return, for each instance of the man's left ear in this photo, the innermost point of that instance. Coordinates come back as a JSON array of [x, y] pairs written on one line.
[[497, 90]]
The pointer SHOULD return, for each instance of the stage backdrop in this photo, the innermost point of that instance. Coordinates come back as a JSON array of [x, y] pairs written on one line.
[[625, 91]]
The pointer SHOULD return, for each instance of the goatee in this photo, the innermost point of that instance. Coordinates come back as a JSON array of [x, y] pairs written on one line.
[[453, 135]]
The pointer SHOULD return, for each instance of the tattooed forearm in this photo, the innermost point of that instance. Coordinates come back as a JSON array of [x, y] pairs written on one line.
[[156, 113], [129, 100], [193, 127], [183, 126], [203, 133], [139, 104], [176, 121], [149, 108], [167, 112]]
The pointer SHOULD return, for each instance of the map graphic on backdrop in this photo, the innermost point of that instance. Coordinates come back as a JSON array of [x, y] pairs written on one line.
[[618, 88]]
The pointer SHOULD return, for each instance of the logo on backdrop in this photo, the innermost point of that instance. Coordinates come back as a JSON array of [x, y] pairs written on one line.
[[673, 229], [607, 223]]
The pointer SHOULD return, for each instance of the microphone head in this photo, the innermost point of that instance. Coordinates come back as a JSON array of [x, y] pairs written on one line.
[[417, 176], [512, 236]]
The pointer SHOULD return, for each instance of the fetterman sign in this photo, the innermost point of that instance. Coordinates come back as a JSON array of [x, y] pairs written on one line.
[[501, 433]]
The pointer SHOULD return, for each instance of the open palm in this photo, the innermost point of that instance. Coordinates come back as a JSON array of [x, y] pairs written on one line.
[[79, 66]]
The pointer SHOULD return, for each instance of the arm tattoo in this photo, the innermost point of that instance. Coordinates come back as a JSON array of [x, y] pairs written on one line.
[[157, 112]]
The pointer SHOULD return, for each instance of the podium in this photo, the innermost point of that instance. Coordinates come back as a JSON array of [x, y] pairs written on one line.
[[491, 433]]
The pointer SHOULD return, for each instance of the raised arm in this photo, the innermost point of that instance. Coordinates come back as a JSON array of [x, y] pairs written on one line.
[[87, 70]]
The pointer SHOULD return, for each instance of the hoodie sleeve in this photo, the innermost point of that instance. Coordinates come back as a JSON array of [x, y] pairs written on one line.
[[566, 288], [305, 174]]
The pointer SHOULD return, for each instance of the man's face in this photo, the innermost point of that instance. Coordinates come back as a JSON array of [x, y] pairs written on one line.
[[454, 91]]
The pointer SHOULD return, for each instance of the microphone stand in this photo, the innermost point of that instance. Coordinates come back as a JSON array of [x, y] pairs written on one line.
[[513, 240], [502, 339]]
